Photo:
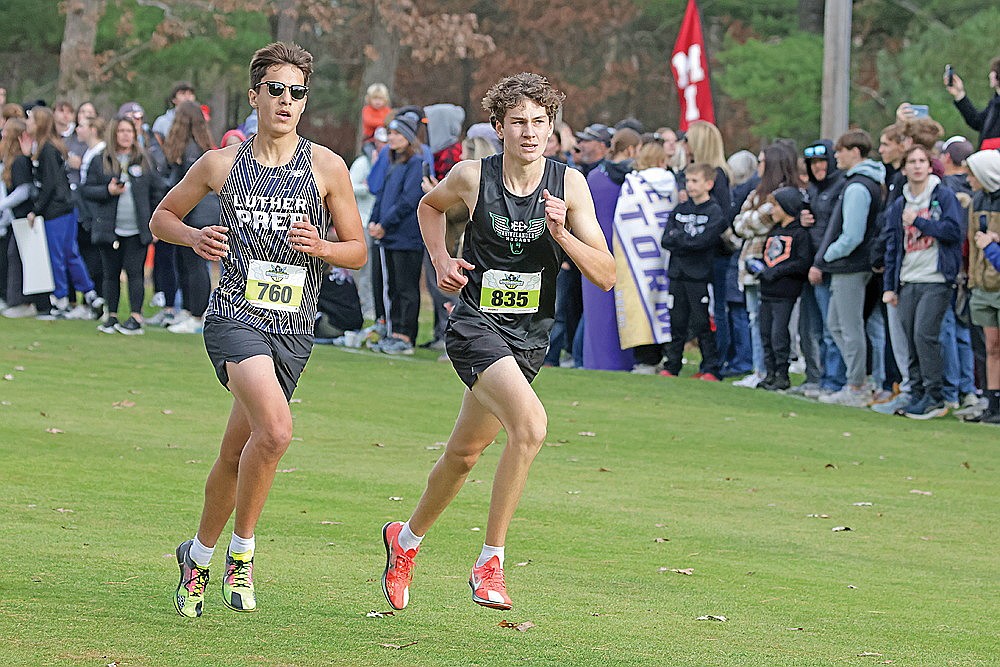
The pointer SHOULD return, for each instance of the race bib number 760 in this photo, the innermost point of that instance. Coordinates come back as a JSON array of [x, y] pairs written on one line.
[[275, 286]]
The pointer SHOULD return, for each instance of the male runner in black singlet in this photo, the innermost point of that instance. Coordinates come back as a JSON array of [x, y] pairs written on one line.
[[280, 194], [525, 208]]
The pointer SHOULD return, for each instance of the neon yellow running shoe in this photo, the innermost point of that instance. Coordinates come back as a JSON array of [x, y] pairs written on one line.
[[191, 590], [237, 586]]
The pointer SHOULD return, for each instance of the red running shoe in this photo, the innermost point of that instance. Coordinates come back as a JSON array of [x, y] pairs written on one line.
[[488, 587], [398, 566], [667, 374], [708, 377]]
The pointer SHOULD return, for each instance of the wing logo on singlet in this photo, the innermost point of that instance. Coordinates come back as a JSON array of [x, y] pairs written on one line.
[[517, 232], [276, 273]]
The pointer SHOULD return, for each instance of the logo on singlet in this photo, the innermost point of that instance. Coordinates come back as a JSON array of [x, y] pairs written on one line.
[[517, 232], [512, 281]]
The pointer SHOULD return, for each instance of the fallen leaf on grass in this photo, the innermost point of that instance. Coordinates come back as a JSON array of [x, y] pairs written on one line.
[[193, 461], [288, 470], [522, 564], [818, 516], [520, 627], [604, 470], [166, 412], [921, 493], [660, 540], [965, 464], [841, 529], [862, 504], [575, 403], [852, 586], [686, 570], [331, 523], [794, 628], [54, 430], [295, 400], [846, 434], [395, 498], [869, 654], [553, 444], [831, 466], [379, 614], [587, 434], [398, 646], [433, 447], [8, 376], [788, 414], [296, 439], [475, 529], [573, 493], [377, 444], [721, 619], [63, 510], [123, 404], [660, 525]]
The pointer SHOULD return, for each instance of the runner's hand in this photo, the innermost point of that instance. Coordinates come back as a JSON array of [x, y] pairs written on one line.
[[555, 215], [451, 276], [211, 243], [304, 237]]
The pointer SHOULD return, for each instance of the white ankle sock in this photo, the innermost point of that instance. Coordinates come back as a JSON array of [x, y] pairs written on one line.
[[488, 553], [407, 540], [241, 545], [200, 554]]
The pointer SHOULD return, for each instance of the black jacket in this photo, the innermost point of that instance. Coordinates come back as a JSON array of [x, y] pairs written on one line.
[[691, 235], [206, 212], [147, 190], [54, 197], [986, 121], [788, 254], [823, 194]]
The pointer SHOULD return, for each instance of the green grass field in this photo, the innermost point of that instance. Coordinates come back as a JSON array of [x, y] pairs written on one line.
[[641, 475]]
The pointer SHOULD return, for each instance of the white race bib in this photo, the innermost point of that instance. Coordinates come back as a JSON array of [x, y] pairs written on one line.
[[510, 292], [275, 286]]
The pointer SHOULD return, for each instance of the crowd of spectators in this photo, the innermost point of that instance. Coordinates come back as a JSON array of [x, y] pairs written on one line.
[[865, 263]]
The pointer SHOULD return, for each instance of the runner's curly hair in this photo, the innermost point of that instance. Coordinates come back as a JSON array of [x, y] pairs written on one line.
[[509, 92]]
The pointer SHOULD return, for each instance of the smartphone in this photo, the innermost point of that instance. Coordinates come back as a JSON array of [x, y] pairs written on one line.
[[427, 170], [949, 75], [984, 222], [920, 110]]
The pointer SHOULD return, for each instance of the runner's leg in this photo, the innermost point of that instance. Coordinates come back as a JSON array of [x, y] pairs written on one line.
[[503, 390], [255, 385], [475, 429], [220, 488]]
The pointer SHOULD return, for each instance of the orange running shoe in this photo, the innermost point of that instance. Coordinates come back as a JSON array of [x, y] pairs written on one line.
[[398, 566], [488, 587]]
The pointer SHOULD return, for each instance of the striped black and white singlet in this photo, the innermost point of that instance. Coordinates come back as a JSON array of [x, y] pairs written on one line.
[[266, 284]]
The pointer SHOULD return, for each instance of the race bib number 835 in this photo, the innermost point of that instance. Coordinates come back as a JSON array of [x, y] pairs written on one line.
[[510, 292]]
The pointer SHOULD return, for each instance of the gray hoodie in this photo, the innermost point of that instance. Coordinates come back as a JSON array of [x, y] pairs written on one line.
[[444, 125]]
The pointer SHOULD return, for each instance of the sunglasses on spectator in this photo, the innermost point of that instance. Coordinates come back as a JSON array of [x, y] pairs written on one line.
[[277, 89], [815, 151]]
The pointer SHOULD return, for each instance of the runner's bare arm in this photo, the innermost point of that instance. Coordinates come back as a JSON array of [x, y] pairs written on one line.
[[461, 186], [167, 223], [349, 250], [573, 224]]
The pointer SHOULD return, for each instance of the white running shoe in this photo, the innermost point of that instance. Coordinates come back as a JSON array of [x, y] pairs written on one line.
[[848, 396], [192, 325], [751, 381]]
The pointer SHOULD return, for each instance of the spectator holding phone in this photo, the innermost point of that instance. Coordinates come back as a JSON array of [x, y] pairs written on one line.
[[986, 121], [984, 279]]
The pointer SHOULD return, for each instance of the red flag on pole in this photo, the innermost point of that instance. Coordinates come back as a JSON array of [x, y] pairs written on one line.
[[690, 67]]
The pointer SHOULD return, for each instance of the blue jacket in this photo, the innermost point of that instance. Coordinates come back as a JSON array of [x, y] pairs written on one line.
[[992, 255], [946, 228], [396, 205]]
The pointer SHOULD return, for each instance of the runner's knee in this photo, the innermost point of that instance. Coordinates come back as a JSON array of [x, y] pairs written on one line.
[[272, 439]]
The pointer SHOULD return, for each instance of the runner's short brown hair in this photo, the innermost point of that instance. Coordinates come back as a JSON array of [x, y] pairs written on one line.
[[279, 53], [509, 92]]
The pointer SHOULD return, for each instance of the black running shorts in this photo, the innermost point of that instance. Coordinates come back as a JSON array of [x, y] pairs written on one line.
[[473, 347], [231, 340]]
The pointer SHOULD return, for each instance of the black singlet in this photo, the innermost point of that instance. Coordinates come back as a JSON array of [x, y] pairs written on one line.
[[509, 243]]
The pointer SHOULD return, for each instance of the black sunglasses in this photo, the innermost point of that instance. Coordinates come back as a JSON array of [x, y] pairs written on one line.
[[277, 89]]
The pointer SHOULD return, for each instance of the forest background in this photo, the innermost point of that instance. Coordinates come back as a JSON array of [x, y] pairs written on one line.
[[609, 56]]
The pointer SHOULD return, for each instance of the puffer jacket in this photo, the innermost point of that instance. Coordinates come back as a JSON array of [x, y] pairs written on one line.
[[984, 214]]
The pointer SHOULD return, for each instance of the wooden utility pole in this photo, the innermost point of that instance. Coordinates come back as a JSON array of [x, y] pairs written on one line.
[[836, 68]]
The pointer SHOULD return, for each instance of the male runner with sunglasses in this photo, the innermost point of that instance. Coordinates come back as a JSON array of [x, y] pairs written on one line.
[[280, 195], [527, 211]]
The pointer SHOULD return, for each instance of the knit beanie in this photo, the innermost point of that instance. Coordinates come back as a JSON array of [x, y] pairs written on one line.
[[789, 199], [406, 126]]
